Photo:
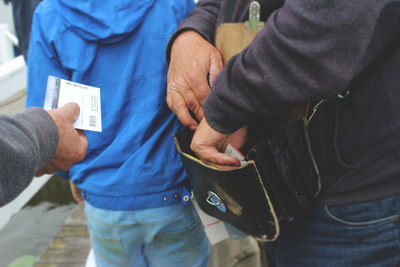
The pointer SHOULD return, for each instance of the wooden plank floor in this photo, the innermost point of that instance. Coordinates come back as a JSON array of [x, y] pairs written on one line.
[[70, 246]]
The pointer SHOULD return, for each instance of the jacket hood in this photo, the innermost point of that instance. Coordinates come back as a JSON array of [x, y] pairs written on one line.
[[104, 21]]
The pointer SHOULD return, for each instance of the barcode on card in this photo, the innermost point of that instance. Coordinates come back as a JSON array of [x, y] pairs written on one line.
[[94, 101], [92, 121]]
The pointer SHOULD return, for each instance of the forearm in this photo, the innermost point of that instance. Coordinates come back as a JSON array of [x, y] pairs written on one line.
[[28, 141], [309, 50]]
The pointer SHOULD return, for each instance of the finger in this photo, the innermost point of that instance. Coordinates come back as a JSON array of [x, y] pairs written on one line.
[[49, 169], [62, 164], [185, 92], [223, 161], [216, 65], [197, 111], [82, 135], [39, 173], [178, 106], [80, 146], [193, 105], [72, 111], [198, 81], [77, 194], [212, 156]]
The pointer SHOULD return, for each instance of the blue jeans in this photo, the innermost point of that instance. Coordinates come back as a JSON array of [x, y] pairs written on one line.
[[363, 234], [167, 236]]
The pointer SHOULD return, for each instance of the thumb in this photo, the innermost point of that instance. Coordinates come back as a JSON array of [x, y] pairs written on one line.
[[212, 156], [71, 110]]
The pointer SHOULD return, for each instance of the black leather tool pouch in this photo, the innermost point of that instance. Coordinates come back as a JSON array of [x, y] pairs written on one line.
[[278, 182]]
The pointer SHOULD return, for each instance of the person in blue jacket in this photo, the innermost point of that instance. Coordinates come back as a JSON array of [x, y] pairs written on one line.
[[137, 201]]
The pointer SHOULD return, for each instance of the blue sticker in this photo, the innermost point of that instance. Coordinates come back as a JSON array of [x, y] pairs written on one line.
[[215, 200]]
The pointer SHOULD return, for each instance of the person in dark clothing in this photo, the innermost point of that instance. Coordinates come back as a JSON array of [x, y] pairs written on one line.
[[22, 17], [37, 141], [344, 51]]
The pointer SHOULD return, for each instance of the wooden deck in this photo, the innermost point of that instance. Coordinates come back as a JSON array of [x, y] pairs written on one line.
[[70, 246]]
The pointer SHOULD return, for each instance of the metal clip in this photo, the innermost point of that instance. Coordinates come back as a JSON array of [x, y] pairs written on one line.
[[214, 200], [254, 22], [343, 94]]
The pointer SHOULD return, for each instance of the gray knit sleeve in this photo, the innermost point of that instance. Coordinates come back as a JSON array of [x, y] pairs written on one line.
[[28, 142]]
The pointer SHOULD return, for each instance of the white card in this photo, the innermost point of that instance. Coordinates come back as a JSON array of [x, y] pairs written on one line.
[[60, 91], [234, 152]]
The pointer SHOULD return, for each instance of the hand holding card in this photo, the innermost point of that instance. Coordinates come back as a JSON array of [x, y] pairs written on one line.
[[60, 91]]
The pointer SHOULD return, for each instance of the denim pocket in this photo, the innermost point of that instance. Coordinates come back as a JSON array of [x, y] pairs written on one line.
[[359, 217], [363, 234], [106, 247], [182, 233]]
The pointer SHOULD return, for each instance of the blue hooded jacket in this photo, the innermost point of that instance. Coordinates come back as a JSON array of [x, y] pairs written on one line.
[[118, 46]]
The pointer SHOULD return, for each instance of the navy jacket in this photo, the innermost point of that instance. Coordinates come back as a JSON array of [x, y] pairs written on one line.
[[310, 50]]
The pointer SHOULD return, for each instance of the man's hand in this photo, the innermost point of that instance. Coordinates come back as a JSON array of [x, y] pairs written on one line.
[[209, 144], [72, 143], [193, 67], [76, 193]]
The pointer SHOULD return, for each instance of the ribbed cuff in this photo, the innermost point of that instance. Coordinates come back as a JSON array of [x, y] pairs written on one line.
[[45, 131], [217, 117]]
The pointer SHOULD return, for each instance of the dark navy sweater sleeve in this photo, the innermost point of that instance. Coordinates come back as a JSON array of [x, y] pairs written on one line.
[[308, 50], [28, 142]]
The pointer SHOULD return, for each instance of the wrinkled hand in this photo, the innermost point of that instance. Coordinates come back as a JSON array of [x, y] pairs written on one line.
[[76, 193], [193, 67], [209, 144], [72, 143]]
